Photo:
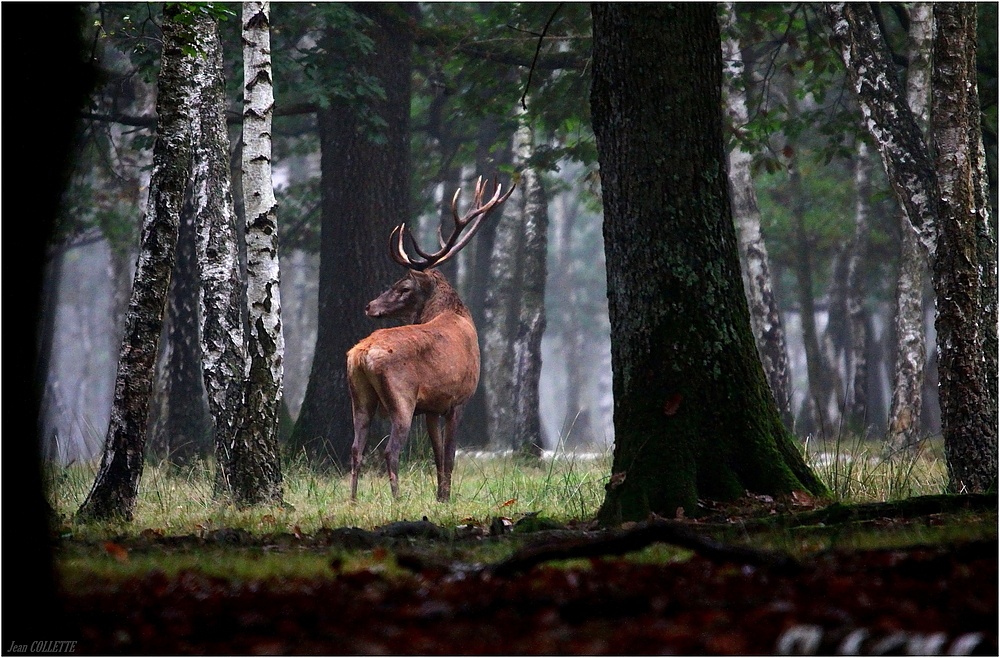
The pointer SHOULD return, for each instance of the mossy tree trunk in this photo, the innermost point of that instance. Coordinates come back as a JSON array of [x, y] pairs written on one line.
[[694, 416]]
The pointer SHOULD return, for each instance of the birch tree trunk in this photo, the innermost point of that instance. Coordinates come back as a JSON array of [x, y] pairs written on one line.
[[965, 267], [255, 467], [514, 317], [911, 351], [223, 352], [765, 317], [948, 214], [116, 486]]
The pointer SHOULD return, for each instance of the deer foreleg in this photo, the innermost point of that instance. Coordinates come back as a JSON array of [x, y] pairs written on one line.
[[448, 449]]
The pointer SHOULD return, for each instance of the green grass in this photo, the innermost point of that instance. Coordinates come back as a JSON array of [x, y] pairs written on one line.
[[179, 500], [860, 471]]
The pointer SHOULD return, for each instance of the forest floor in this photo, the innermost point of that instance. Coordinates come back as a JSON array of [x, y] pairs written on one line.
[[760, 576]]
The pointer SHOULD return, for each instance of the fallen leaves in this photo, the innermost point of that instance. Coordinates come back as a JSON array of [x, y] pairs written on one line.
[[929, 597], [119, 553]]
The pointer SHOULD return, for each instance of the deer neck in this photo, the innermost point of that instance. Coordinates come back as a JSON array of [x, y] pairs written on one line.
[[444, 299]]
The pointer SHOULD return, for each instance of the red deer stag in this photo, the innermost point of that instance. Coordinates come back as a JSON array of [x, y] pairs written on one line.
[[429, 366]]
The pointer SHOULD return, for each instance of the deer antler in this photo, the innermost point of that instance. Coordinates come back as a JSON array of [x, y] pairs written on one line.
[[460, 235]]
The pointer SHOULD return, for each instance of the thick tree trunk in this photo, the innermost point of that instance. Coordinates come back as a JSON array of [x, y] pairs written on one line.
[[765, 317], [364, 192], [911, 351], [947, 213], [116, 486], [514, 318], [693, 414], [255, 468]]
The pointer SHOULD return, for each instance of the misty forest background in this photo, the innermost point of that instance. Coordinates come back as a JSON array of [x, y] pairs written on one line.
[[823, 198]]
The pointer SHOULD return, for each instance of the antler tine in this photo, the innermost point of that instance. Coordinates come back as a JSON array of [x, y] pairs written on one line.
[[396, 246], [416, 247], [480, 213], [459, 236]]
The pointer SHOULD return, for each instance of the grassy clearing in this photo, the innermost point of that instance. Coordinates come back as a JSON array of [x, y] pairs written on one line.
[[179, 500]]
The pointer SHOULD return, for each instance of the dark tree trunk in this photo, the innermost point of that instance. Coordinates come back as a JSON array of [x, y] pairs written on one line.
[[475, 419], [117, 483], [821, 381], [48, 432], [856, 363], [43, 144], [694, 417], [365, 192]]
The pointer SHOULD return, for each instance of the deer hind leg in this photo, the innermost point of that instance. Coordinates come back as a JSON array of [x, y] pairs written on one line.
[[400, 409], [434, 432], [364, 403], [447, 465], [401, 420]]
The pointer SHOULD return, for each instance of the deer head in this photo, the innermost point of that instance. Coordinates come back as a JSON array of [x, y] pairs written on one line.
[[408, 298]]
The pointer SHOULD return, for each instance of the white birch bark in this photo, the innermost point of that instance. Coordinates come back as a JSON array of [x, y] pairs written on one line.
[[891, 124], [765, 318], [261, 473], [223, 353], [911, 351], [941, 201]]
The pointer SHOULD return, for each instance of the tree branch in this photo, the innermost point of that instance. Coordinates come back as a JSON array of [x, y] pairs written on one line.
[[538, 49]]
